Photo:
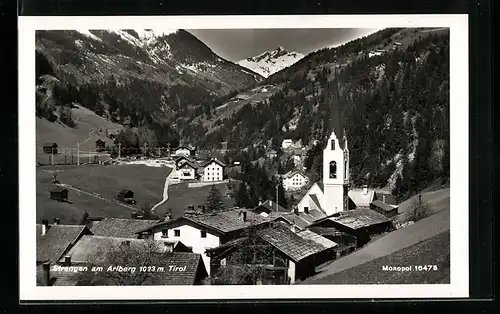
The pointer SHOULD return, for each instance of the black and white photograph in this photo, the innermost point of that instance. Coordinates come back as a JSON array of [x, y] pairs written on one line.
[[310, 157]]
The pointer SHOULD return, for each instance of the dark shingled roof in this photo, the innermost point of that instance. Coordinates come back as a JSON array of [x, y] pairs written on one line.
[[358, 218], [389, 198], [222, 222], [57, 239], [296, 247], [120, 227], [303, 220], [384, 206]]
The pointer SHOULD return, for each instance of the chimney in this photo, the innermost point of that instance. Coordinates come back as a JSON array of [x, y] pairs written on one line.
[[45, 226], [67, 260], [365, 189], [46, 274], [383, 198], [57, 221]]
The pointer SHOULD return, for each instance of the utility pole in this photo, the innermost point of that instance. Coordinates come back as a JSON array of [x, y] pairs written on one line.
[[52, 155], [168, 149], [78, 153], [277, 194], [119, 150]]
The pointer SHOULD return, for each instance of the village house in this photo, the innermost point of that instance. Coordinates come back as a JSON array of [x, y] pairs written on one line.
[[100, 145], [120, 227], [186, 168], [93, 250], [294, 180], [284, 255], [184, 150], [383, 208], [213, 170], [359, 223], [54, 240], [50, 148], [362, 197], [204, 231]]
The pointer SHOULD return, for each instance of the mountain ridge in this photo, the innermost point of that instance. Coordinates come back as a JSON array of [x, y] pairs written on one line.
[[271, 61]]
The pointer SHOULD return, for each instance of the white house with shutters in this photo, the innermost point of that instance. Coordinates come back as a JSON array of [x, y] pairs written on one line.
[[213, 171], [294, 180]]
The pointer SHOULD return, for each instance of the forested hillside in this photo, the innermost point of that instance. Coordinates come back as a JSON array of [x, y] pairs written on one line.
[[393, 91]]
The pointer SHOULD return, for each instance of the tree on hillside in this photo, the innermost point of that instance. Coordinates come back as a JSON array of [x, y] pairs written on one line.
[[281, 194], [85, 219], [241, 196], [214, 202]]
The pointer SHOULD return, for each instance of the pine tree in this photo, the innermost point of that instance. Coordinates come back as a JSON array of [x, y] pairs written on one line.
[[281, 195], [85, 219], [241, 196], [214, 202]]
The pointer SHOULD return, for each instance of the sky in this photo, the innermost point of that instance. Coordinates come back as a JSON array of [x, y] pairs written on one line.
[[238, 44]]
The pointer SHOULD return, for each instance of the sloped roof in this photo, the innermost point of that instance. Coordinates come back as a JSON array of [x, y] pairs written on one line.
[[359, 218], [302, 220], [310, 235], [56, 241], [315, 199], [389, 198], [321, 186], [361, 199], [52, 144], [222, 222], [291, 173], [296, 247], [217, 161], [386, 207], [120, 227]]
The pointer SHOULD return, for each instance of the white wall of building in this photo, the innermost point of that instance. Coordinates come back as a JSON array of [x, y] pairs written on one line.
[[286, 143], [306, 200], [213, 172], [334, 189], [191, 237], [296, 181], [291, 271], [186, 173]]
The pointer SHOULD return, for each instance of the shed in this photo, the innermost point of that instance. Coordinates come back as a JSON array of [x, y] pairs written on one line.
[[100, 145], [385, 209], [59, 194], [125, 195], [50, 148]]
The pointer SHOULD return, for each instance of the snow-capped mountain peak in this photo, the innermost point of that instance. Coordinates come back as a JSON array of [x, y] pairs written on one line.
[[270, 62]]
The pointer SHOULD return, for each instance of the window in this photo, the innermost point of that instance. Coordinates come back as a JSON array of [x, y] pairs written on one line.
[[345, 169], [203, 233], [333, 144], [306, 209], [164, 233], [333, 170], [177, 233]]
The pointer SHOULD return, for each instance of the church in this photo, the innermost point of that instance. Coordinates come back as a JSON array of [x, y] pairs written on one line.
[[330, 196]]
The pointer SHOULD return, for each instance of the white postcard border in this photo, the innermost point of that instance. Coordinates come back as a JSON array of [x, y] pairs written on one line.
[[459, 158]]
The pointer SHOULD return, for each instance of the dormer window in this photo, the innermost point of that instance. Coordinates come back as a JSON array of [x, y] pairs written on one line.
[[333, 170], [332, 144]]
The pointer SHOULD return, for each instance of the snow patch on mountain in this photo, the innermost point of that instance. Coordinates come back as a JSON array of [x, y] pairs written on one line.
[[87, 33], [270, 62]]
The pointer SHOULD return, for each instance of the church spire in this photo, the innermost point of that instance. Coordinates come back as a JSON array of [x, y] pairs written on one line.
[[336, 123]]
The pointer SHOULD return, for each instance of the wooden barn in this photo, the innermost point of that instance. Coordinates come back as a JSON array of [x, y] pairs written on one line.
[[50, 148], [59, 194], [100, 145], [126, 196]]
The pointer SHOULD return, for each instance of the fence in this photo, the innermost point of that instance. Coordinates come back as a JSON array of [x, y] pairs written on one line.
[[72, 157]]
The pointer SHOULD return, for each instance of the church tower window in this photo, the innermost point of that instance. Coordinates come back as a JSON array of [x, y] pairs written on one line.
[[332, 143], [345, 169], [333, 170]]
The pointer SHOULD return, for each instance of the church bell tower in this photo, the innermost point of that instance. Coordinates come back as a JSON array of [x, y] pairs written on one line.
[[336, 163]]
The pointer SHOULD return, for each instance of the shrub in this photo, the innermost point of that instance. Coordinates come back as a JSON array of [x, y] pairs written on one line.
[[418, 210]]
